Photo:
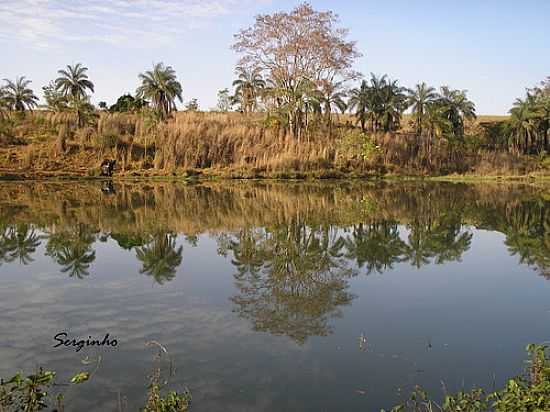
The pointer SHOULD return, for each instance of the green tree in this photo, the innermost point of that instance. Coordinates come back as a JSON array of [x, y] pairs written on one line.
[[161, 87], [393, 103], [73, 83], [128, 103], [192, 105], [457, 108], [331, 95], [55, 99], [437, 126], [17, 95], [382, 102], [419, 99], [522, 124], [361, 102], [248, 87]]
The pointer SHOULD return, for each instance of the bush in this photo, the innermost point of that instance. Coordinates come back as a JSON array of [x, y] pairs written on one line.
[[355, 146], [528, 393]]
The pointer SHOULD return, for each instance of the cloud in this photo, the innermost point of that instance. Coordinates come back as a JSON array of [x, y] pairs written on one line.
[[46, 23]]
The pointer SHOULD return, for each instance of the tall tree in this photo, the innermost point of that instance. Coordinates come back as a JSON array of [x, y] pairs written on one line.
[[17, 95], [361, 102], [521, 122], [74, 83], [161, 87], [331, 95], [419, 98], [457, 108], [288, 47], [393, 103], [248, 87]]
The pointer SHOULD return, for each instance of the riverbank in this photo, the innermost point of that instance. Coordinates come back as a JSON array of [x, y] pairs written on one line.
[[231, 145], [250, 174]]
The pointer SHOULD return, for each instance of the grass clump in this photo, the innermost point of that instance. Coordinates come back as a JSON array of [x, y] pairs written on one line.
[[527, 393]]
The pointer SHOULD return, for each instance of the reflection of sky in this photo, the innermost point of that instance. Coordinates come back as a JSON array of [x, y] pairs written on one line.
[[477, 314]]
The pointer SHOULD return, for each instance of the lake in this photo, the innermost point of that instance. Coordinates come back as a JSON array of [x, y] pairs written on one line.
[[311, 296]]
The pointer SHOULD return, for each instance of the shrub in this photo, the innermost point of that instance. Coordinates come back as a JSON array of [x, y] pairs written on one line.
[[355, 146], [528, 393]]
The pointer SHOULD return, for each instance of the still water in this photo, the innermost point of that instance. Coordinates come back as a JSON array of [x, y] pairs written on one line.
[[274, 296]]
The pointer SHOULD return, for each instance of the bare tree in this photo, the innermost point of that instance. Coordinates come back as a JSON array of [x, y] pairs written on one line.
[[288, 48]]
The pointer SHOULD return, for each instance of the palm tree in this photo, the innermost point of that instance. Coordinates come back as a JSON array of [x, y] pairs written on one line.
[[248, 87], [457, 109], [542, 109], [393, 104], [161, 87], [436, 125], [376, 86], [521, 122], [361, 101], [17, 95], [331, 95], [73, 83], [420, 97]]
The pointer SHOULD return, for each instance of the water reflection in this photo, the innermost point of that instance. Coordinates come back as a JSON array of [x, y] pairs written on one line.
[[376, 246], [71, 248], [288, 231], [294, 261], [291, 278], [18, 243], [159, 257]]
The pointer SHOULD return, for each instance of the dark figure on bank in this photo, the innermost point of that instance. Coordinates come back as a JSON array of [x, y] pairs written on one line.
[[107, 167]]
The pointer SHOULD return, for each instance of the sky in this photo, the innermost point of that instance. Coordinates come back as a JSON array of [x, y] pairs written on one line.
[[492, 48]]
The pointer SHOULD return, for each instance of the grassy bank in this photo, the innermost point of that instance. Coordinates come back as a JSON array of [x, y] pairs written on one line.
[[233, 145]]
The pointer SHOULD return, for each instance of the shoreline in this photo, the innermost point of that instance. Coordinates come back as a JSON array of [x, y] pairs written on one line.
[[291, 176]]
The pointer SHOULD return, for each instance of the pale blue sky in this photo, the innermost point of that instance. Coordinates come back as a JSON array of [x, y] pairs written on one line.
[[494, 49]]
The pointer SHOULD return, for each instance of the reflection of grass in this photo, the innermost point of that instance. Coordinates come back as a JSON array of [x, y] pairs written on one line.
[[368, 207]]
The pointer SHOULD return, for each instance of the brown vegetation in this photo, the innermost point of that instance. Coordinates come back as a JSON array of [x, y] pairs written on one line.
[[232, 144]]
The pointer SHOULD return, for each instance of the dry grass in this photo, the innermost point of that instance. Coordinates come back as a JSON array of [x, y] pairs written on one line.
[[233, 144]]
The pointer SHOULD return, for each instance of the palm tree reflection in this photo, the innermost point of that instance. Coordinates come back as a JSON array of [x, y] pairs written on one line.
[[18, 242], [159, 257], [72, 249]]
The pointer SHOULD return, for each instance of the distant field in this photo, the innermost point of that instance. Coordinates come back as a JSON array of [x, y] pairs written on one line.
[[491, 118]]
